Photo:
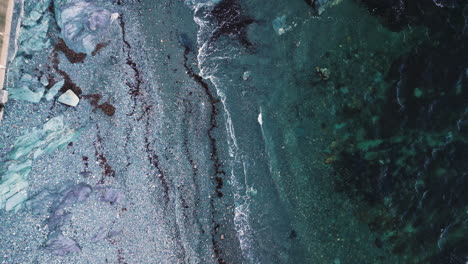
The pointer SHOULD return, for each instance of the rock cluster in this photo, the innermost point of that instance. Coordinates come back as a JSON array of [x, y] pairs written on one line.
[[82, 25], [17, 165]]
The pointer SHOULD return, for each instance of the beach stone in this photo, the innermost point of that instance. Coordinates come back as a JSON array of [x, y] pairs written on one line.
[[69, 98], [246, 75], [3, 97]]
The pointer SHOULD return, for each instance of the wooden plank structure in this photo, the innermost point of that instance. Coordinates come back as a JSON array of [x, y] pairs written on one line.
[[6, 13]]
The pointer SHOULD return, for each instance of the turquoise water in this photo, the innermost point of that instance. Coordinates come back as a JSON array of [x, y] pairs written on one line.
[[234, 132]]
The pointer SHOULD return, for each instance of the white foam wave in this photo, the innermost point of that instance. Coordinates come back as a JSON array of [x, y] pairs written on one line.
[[207, 64]]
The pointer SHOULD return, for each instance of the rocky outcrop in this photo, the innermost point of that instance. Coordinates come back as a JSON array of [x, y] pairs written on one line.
[[55, 203], [83, 24], [17, 164]]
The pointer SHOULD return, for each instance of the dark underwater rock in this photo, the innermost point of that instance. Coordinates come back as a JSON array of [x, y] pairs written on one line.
[[407, 165], [231, 22], [318, 5], [396, 14], [312, 3]]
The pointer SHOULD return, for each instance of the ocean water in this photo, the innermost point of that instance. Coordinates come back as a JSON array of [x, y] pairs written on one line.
[[235, 131]]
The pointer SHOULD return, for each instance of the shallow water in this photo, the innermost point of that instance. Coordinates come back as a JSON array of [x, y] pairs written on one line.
[[230, 132]]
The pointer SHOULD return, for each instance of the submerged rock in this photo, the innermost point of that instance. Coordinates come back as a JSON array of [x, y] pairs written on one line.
[[279, 25], [398, 14], [401, 155], [232, 22], [246, 75], [323, 73]]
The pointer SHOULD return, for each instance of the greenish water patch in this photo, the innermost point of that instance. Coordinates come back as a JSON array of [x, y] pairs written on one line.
[[400, 143], [314, 72]]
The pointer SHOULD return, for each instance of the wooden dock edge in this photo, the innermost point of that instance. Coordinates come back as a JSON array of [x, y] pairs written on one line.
[[4, 55]]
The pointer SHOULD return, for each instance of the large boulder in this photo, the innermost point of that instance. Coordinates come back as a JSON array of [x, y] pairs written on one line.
[[83, 24]]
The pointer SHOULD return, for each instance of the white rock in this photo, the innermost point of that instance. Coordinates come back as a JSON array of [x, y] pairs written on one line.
[[44, 80], [114, 17], [246, 75], [69, 98], [3, 97], [280, 26]]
